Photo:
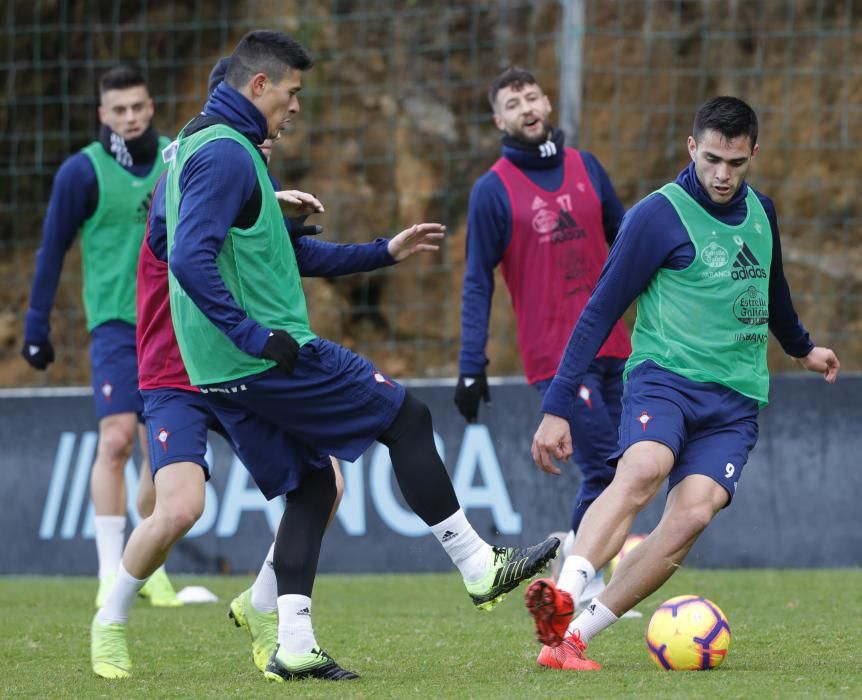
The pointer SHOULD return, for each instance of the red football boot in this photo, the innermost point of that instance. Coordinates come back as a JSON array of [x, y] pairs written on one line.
[[568, 656], [552, 610]]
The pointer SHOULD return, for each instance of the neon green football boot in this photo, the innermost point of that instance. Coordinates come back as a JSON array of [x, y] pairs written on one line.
[[159, 591], [261, 626], [509, 567], [314, 664], [109, 653]]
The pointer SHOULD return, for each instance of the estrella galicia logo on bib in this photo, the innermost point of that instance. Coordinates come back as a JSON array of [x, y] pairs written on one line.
[[714, 255], [751, 307]]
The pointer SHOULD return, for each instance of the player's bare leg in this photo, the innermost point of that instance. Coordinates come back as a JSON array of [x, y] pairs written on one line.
[[108, 491], [158, 588], [109, 653], [640, 473], [179, 503], [691, 506], [107, 482]]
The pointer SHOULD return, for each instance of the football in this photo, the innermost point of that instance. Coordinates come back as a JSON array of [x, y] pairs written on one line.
[[631, 542], [688, 633]]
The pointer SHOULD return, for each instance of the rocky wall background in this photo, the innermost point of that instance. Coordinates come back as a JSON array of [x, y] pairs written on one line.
[[395, 128]]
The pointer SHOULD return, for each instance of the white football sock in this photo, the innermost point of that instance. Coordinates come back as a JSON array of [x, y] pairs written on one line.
[[264, 593], [576, 573], [120, 598], [591, 621], [110, 536], [568, 542], [469, 552], [295, 633]]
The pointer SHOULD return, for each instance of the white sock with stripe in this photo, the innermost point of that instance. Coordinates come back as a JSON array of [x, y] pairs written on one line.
[[576, 573], [295, 632], [591, 621], [469, 552]]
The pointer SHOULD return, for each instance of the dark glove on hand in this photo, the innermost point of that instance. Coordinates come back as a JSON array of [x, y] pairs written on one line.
[[38, 354], [299, 228], [282, 349], [470, 389]]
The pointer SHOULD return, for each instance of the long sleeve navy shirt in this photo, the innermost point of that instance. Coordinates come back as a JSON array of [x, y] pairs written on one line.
[[652, 236], [74, 197], [215, 185], [489, 230], [314, 258]]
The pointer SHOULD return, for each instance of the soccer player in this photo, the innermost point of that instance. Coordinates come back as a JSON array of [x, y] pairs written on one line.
[[546, 214], [240, 317], [103, 191], [703, 257], [178, 420]]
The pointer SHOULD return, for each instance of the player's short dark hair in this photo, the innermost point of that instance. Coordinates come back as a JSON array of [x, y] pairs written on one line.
[[265, 51], [729, 116], [513, 77], [121, 77], [217, 73]]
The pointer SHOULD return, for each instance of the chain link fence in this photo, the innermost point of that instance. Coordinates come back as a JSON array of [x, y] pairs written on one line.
[[395, 127]]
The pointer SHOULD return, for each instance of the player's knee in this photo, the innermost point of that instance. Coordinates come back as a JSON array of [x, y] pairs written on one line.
[[179, 518], [115, 445], [639, 479], [693, 517], [177, 511]]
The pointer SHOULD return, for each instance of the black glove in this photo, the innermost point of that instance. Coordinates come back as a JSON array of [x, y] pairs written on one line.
[[39, 354], [299, 228], [282, 349], [471, 388]]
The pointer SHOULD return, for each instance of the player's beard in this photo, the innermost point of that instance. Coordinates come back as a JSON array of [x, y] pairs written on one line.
[[542, 136]]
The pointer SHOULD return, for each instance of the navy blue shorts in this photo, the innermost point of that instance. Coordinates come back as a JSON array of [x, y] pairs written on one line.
[[334, 403], [177, 425], [114, 361], [709, 428]]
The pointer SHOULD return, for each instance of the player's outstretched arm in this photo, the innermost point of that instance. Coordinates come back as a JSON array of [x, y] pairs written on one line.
[[417, 238], [553, 440], [823, 360]]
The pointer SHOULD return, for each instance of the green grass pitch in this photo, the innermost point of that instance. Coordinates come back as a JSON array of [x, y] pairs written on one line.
[[795, 634]]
